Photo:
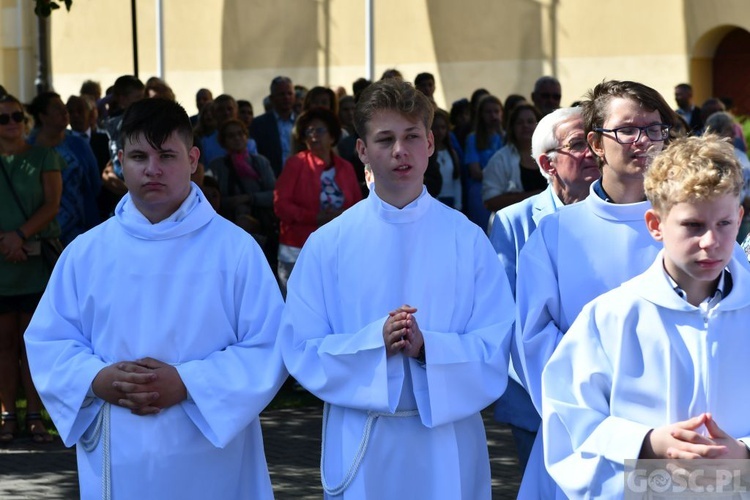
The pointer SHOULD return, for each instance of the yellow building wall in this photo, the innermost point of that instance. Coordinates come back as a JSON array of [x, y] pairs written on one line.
[[238, 46], [17, 48]]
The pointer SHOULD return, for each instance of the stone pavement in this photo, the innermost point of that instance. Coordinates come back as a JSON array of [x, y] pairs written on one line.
[[292, 443]]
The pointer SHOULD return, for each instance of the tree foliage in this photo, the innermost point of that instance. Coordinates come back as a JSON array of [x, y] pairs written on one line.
[[44, 8]]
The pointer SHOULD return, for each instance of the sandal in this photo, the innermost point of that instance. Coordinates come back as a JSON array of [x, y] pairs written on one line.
[[35, 427], [8, 427]]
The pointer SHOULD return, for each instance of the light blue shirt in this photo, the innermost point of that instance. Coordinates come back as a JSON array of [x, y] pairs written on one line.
[[285, 128]]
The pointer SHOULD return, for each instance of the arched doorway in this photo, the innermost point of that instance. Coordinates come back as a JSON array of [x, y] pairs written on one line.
[[731, 70]]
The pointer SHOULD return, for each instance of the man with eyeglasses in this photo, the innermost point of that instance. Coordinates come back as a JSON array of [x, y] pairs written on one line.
[[559, 148], [546, 95]]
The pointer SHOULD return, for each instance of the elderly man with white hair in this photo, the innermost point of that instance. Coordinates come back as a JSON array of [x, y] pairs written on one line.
[[559, 147]]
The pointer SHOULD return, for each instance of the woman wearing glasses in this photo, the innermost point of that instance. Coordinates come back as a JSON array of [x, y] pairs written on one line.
[[30, 191], [314, 187], [246, 183], [512, 174]]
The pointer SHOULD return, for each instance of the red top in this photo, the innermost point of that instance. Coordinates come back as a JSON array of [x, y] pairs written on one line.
[[296, 199]]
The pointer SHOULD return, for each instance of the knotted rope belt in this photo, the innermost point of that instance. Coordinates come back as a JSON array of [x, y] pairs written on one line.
[[101, 432], [372, 417]]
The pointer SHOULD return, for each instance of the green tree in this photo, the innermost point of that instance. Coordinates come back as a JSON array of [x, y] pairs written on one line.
[[45, 7]]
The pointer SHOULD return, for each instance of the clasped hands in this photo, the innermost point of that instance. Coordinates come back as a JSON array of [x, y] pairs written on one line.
[[682, 440], [145, 386], [11, 247], [401, 332]]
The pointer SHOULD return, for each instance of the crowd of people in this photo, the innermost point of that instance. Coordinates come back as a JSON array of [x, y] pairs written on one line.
[[407, 265]]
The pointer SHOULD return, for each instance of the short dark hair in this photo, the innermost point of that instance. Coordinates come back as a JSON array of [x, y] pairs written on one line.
[[543, 80], [224, 97], [157, 119], [457, 108], [359, 85], [395, 95], [39, 105], [278, 81], [511, 102], [91, 87], [314, 92], [126, 84], [423, 77], [322, 114], [244, 102], [391, 73]]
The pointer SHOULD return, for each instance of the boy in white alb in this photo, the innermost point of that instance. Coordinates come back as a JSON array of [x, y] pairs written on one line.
[[398, 316], [644, 370], [153, 345]]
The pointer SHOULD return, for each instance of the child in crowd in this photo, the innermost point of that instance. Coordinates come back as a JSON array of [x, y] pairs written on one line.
[[652, 368], [450, 167], [398, 316]]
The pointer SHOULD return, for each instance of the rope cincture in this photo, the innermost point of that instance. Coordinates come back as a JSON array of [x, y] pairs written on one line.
[[372, 416], [101, 432]]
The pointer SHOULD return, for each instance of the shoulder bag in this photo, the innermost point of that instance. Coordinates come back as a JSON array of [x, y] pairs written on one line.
[[51, 248]]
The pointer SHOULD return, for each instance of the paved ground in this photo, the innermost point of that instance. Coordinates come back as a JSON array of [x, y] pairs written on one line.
[[292, 442]]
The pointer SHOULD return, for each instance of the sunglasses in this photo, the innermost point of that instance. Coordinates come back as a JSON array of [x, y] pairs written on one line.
[[16, 116]]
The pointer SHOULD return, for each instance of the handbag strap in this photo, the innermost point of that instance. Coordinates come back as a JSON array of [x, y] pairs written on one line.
[[12, 189]]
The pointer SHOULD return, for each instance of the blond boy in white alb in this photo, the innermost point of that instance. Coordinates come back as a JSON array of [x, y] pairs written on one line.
[[646, 369]]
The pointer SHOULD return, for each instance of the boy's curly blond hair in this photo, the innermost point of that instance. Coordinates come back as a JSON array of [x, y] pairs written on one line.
[[693, 169]]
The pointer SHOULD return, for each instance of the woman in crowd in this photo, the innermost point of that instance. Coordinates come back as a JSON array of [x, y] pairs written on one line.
[[722, 124], [30, 191], [450, 168], [511, 102], [246, 182], [346, 115], [314, 187], [317, 97], [81, 179], [460, 115], [512, 174], [156, 87], [481, 144], [245, 112], [321, 97], [206, 125]]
